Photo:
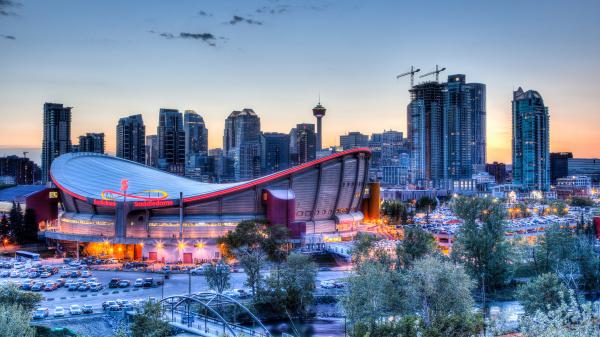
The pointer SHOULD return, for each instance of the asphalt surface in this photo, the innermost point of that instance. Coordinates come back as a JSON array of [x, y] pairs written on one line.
[[177, 284]]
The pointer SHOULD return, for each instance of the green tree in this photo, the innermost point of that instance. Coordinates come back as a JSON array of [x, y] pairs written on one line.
[[363, 246], [416, 244], [10, 294], [394, 211], [582, 202], [218, 277], [426, 204], [16, 220], [291, 287], [374, 291], [253, 244], [544, 293], [14, 321], [4, 226], [559, 208], [481, 244], [440, 290], [149, 323], [569, 319], [29, 229]]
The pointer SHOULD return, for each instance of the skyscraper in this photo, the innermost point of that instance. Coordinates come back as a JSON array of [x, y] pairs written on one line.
[[196, 140], [457, 129], [92, 142], [319, 112], [530, 142], [131, 134], [152, 150], [354, 139], [559, 165], [57, 135], [306, 141], [21, 169], [275, 152], [425, 132], [171, 141], [241, 144], [478, 126]]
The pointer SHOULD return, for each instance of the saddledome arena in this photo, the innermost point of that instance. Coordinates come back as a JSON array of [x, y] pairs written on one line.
[[122, 208]]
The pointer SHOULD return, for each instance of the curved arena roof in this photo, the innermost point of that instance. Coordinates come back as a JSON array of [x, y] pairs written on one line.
[[92, 176]]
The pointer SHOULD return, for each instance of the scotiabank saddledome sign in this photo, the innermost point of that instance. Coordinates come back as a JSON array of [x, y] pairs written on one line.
[[146, 198]]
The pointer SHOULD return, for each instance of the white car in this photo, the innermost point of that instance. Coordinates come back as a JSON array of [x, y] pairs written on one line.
[[59, 312], [75, 309], [138, 282]]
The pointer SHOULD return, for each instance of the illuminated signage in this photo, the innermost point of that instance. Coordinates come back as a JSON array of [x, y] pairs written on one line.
[[104, 203], [143, 196], [53, 195], [153, 203]]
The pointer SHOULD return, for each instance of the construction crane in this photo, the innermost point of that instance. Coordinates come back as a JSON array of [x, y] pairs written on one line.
[[412, 73], [437, 72], [25, 154]]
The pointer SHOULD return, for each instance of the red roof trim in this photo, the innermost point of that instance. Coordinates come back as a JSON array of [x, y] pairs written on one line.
[[277, 175], [249, 184]]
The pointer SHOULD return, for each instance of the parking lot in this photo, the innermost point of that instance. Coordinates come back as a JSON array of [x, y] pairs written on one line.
[[96, 290]]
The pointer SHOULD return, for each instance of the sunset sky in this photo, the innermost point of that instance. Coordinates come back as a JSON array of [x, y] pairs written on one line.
[[110, 59]]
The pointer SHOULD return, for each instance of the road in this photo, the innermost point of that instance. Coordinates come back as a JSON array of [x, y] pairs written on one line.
[[176, 285]]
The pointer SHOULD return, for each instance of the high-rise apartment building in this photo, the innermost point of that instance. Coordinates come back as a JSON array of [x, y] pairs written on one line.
[[530, 141], [196, 141], [447, 130], [425, 132], [559, 165], [457, 129], [478, 126], [57, 135], [151, 150], [275, 152], [21, 169], [171, 141], [305, 143], [92, 142], [498, 171], [131, 135], [241, 144], [354, 139]]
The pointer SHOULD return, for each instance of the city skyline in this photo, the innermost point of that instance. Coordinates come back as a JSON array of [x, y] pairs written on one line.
[[279, 67]]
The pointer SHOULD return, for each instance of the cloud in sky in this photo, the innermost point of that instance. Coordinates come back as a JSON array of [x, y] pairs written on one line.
[[8, 37], [7, 7], [239, 19], [208, 38], [205, 14]]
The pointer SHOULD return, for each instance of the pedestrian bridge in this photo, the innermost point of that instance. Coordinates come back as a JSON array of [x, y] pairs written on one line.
[[211, 314]]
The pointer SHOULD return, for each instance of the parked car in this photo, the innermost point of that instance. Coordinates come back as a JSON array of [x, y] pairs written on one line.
[[40, 313], [114, 283], [111, 306], [59, 312], [73, 286], [96, 287], [75, 274], [50, 286], [5, 273], [138, 283], [83, 287], [75, 309], [45, 274], [87, 309], [148, 281], [124, 283], [37, 287], [65, 273], [86, 274]]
